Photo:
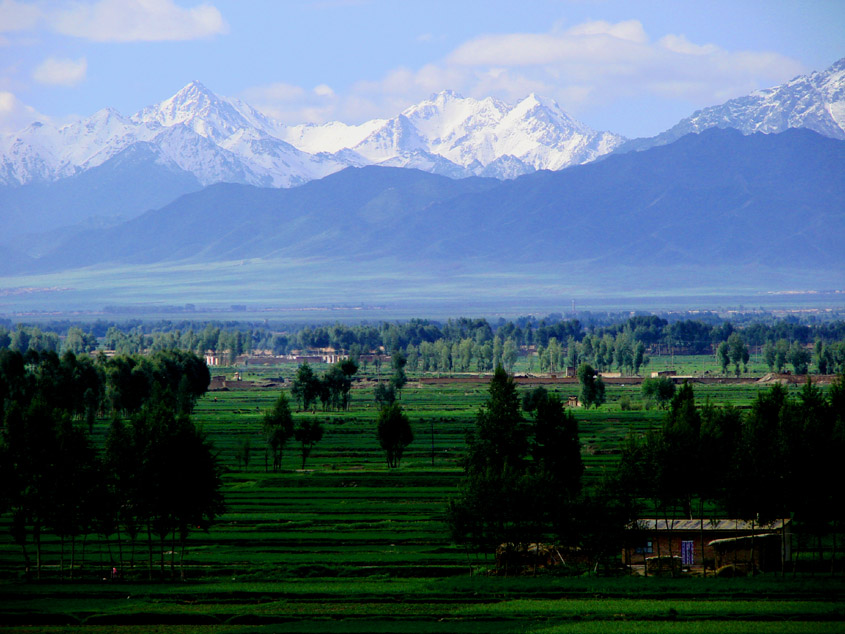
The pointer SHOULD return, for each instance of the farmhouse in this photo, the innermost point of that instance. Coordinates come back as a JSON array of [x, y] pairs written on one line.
[[714, 543]]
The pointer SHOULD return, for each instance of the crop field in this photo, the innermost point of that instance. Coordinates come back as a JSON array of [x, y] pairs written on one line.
[[347, 545]]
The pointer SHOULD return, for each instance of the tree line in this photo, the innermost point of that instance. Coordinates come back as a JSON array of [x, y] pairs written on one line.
[[156, 478], [464, 344]]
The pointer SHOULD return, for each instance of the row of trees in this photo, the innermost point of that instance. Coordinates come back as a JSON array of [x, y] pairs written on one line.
[[522, 471], [157, 475], [603, 352], [778, 460], [700, 336], [522, 467], [331, 389]]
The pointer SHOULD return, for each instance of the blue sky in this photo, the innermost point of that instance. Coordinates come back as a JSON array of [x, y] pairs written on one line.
[[634, 68]]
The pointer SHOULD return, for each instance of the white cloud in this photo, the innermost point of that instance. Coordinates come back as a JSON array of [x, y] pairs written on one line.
[[293, 104], [15, 115], [138, 21], [61, 72], [18, 16], [680, 44], [591, 65], [630, 30], [597, 63]]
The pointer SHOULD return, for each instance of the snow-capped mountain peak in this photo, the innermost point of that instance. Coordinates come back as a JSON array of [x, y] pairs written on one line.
[[201, 110], [218, 139], [815, 101]]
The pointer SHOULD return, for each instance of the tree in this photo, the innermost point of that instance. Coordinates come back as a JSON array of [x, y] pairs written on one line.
[[556, 449], [79, 341], [737, 351], [499, 437], [171, 480], [308, 433], [278, 428], [799, 357], [384, 394], [592, 386], [336, 385], [769, 355], [661, 389], [522, 479], [306, 387], [723, 356], [244, 453], [640, 357], [781, 352], [394, 433], [398, 379], [509, 353]]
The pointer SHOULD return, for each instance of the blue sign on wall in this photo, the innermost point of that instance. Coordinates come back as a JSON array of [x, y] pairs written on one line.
[[687, 553]]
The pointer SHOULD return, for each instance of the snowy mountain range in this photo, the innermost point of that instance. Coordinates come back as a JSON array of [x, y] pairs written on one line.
[[219, 139], [110, 167]]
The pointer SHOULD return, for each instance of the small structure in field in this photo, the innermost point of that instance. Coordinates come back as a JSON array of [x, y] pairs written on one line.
[[751, 552], [711, 543]]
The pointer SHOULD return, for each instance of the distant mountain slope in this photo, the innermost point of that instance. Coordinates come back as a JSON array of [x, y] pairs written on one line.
[[325, 218], [815, 101], [713, 198], [717, 198], [133, 181]]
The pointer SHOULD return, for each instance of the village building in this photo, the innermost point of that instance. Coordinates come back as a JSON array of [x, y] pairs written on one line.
[[711, 543]]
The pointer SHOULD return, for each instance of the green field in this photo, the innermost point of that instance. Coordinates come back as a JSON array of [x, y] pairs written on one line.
[[346, 545]]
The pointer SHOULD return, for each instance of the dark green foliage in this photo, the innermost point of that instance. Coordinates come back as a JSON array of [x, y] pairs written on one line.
[[556, 450], [499, 437], [176, 486], [737, 351], [277, 426], [336, 384], [308, 432], [306, 387], [522, 480], [394, 433], [384, 394], [799, 357], [158, 472], [723, 356], [661, 389], [592, 386], [398, 379]]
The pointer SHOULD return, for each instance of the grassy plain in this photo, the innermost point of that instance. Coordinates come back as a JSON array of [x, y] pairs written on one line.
[[347, 545]]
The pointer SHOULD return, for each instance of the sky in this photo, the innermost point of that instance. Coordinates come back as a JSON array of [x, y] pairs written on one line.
[[631, 67]]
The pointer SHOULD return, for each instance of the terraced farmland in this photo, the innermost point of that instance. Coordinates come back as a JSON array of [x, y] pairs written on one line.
[[347, 545]]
